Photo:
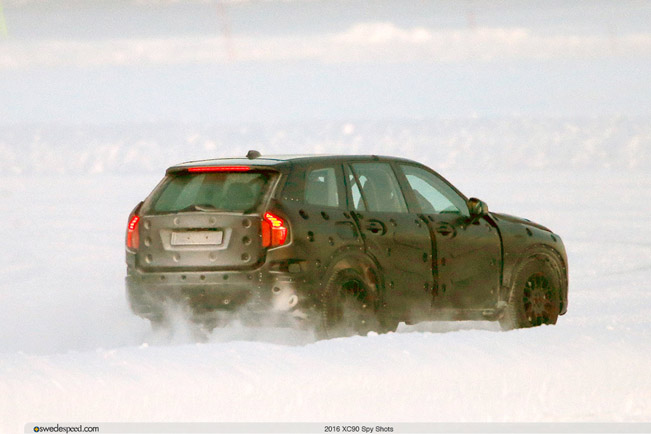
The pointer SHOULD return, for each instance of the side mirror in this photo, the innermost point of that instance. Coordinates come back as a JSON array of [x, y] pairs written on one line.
[[477, 208]]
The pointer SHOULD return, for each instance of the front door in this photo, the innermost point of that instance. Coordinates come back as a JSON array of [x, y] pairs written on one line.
[[468, 255]]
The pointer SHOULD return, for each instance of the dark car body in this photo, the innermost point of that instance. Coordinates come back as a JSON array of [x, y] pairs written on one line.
[[393, 233]]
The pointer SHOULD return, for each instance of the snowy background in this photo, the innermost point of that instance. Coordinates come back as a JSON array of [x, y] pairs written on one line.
[[542, 109]]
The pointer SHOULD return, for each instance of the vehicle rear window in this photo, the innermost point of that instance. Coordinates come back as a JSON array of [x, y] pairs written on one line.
[[211, 191]]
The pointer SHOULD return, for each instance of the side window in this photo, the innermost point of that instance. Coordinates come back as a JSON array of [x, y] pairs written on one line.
[[321, 187], [432, 193], [379, 187]]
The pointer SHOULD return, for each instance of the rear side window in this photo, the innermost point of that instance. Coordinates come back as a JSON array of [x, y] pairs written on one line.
[[380, 188], [321, 187], [218, 191]]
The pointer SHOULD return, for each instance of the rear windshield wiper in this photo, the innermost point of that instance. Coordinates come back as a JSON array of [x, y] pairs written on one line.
[[201, 207]]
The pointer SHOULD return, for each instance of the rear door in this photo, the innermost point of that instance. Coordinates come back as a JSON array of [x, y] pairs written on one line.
[[399, 240], [314, 201], [468, 253], [208, 219]]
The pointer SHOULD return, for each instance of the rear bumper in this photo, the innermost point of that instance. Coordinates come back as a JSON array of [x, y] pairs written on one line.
[[254, 292]]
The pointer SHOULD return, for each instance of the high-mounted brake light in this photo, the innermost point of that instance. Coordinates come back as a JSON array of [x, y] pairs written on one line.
[[274, 231], [133, 238], [201, 169]]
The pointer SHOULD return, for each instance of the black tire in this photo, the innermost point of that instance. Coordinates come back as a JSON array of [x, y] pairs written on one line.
[[535, 296], [348, 306]]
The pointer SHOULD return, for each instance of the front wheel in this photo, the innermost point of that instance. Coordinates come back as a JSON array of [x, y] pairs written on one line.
[[535, 295]]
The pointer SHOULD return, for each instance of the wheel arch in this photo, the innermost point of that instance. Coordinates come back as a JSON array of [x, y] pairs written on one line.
[[545, 251], [356, 259]]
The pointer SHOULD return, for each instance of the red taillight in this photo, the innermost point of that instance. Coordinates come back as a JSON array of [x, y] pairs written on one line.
[[133, 238], [274, 231], [219, 169]]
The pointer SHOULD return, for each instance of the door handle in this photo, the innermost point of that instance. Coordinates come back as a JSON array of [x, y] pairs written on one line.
[[375, 226], [447, 230]]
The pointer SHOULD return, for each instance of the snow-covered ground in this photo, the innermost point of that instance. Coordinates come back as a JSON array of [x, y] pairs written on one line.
[[71, 351]]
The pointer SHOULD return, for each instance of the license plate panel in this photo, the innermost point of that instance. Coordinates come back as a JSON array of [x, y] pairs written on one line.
[[197, 238]]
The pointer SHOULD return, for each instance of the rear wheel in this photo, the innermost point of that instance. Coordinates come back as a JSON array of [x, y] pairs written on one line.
[[535, 294], [348, 305]]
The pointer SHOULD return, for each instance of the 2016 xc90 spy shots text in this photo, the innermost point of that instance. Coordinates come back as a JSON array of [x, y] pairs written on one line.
[[344, 244]]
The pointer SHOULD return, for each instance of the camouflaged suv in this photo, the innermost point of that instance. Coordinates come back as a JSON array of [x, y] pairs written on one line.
[[341, 244]]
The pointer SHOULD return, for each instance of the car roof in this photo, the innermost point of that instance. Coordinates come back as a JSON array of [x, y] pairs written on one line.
[[282, 160]]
